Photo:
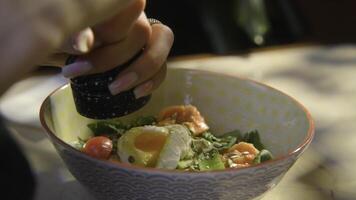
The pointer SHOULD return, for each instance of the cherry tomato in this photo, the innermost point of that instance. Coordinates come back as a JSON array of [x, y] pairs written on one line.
[[98, 147]]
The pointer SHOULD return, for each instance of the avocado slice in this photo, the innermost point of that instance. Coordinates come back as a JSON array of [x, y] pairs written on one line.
[[213, 161]]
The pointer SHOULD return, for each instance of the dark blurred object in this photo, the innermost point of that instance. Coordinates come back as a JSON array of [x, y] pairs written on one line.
[[229, 26], [184, 19], [329, 21], [213, 26], [16, 179]]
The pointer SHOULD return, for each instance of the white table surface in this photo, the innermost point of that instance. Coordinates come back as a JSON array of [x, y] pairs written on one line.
[[322, 78]]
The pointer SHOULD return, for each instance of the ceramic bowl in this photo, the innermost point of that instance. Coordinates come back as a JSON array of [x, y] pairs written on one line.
[[227, 102]]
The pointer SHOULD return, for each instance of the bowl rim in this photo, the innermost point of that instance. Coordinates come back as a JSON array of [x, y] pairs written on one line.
[[299, 149]]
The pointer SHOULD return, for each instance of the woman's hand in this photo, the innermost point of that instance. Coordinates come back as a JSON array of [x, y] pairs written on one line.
[[31, 31], [116, 41]]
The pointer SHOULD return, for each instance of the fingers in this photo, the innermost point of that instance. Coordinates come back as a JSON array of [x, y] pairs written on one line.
[[146, 72], [113, 30], [80, 43], [71, 15], [98, 11], [149, 63], [32, 30], [149, 86], [116, 28], [116, 54], [110, 56]]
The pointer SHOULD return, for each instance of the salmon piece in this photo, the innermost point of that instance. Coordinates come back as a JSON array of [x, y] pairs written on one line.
[[183, 114], [243, 153], [244, 147]]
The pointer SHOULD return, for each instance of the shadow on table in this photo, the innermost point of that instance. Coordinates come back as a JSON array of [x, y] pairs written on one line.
[[325, 181], [333, 57]]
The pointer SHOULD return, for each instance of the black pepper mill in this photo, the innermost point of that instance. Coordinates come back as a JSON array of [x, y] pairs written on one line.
[[93, 99]]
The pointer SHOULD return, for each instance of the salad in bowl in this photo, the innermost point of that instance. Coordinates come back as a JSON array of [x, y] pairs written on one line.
[[178, 138]]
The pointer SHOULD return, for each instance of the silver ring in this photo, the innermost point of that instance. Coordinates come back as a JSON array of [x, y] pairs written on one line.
[[153, 21]]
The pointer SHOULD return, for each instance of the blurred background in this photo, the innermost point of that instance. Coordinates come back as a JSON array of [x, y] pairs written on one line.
[[230, 26]]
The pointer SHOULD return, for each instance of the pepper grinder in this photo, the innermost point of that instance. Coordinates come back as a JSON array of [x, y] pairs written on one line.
[[93, 99]]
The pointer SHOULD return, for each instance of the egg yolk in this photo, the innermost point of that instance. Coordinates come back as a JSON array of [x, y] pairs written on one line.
[[151, 143]]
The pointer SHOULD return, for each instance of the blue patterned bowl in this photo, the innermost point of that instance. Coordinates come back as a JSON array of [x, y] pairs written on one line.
[[227, 102]]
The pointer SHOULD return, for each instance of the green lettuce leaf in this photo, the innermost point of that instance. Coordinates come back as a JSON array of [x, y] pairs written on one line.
[[107, 128], [210, 161], [254, 138], [263, 156], [142, 121], [224, 142]]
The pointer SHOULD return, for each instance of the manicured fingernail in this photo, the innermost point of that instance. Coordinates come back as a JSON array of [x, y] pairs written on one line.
[[82, 41], [75, 69], [143, 90], [123, 83]]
